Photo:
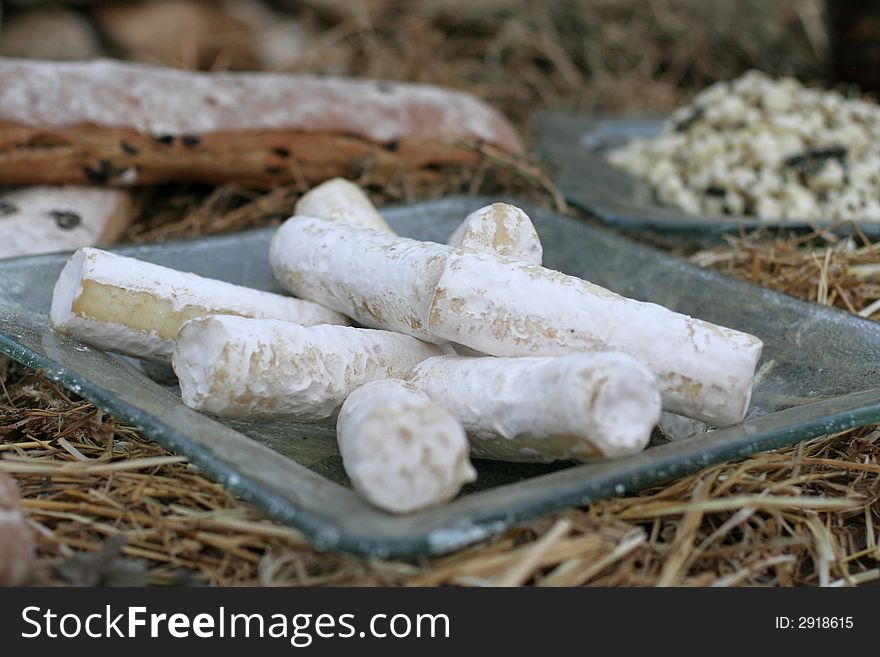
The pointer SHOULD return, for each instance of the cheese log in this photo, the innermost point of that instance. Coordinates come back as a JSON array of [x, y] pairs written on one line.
[[381, 280], [45, 219], [233, 366], [341, 199], [16, 544], [502, 229], [579, 406], [137, 308], [507, 308], [131, 124], [48, 33], [507, 231], [401, 451]]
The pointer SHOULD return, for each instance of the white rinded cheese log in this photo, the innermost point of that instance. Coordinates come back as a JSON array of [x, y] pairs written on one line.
[[137, 308], [502, 229], [542, 409], [233, 366], [507, 308], [381, 280], [401, 451], [507, 231], [677, 427], [339, 198], [46, 219]]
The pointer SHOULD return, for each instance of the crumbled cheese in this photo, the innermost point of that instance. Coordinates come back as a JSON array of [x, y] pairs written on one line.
[[768, 148]]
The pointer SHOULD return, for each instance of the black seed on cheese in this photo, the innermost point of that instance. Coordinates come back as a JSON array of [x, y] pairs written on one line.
[[99, 174], [66, 219]]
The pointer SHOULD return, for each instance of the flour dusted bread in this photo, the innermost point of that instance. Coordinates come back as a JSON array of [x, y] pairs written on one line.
[[46, 219], [119, 123]]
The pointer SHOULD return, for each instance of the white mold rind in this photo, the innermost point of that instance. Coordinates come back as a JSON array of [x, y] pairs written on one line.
[[233, 366], [542, 409], [29, 226], [341, 199], [502, 229], [508, 308], [401, 451], [121, 94]]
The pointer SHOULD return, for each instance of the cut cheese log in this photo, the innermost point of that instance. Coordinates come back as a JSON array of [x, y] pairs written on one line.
[[579, 406], [401, 451], [502, 229], [381, 280], [46, 219], [507, 308], [677, 427], [137, 308], [233, 366], [341, 199]]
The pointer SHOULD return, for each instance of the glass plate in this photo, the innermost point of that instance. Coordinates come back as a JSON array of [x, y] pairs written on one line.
[[576, 145], [818, 375]]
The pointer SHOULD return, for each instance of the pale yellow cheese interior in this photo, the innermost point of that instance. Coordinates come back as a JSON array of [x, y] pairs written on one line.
[[141, 311]]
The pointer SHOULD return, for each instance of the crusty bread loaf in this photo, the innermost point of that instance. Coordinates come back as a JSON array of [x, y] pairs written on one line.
[[46, 219], [128, 124], [16, 544]]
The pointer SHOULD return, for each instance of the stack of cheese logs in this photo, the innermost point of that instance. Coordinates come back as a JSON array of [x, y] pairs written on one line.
[[555, 367], [75, 135]]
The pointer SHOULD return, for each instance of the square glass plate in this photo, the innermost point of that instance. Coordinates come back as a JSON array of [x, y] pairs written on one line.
[[819, 374], [576, 146]]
